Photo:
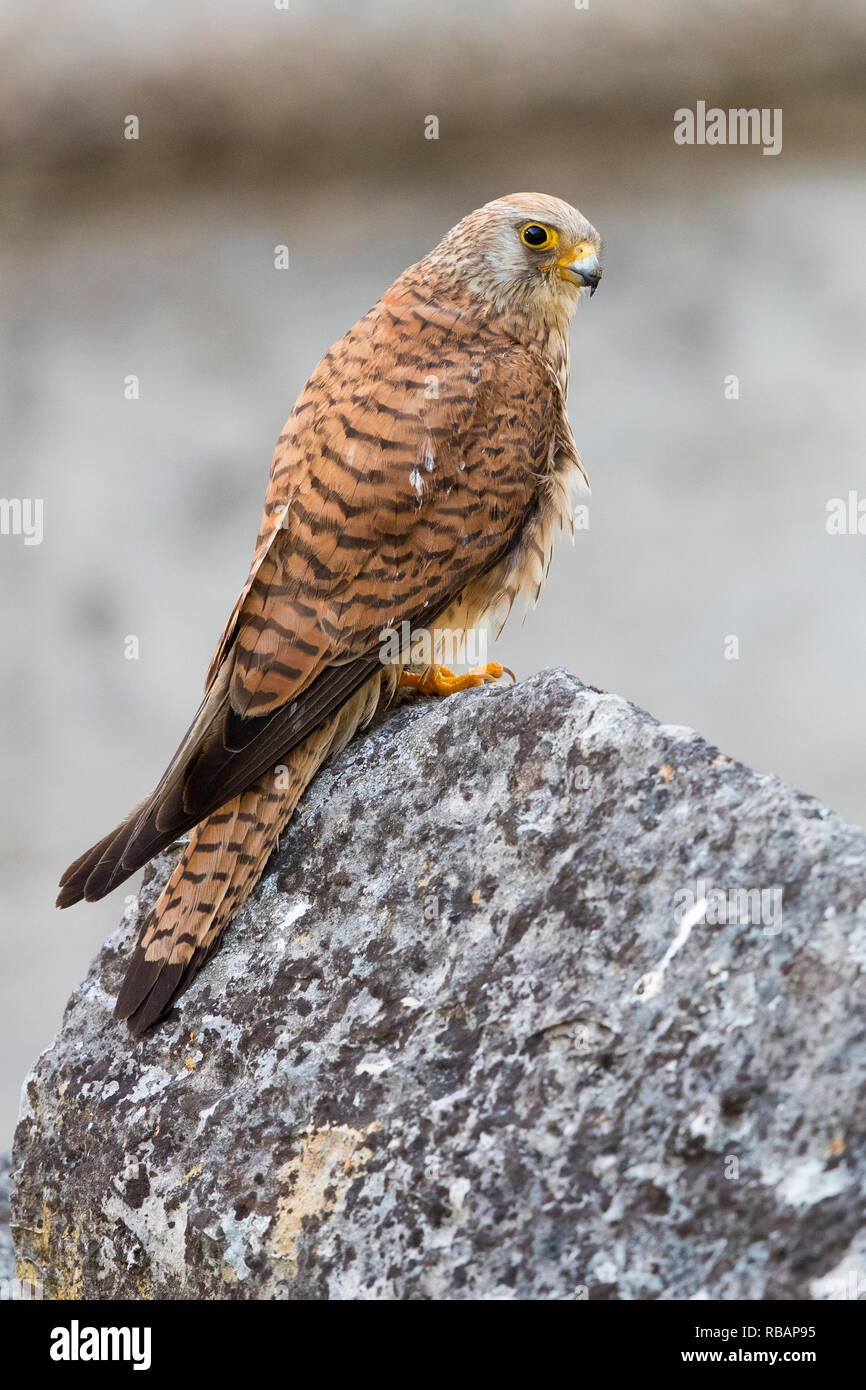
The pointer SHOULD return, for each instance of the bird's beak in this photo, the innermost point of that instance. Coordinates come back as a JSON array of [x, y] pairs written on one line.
[[580, 267]]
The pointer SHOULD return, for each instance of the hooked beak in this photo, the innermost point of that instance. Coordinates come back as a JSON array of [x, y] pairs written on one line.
[[581, 267]]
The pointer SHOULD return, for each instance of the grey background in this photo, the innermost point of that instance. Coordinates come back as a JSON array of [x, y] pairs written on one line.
[[155, 257]]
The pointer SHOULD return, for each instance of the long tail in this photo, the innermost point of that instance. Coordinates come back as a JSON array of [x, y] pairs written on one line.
[[223, 860]]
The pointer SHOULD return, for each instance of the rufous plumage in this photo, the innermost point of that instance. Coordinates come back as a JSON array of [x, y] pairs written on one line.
[[420, 478]]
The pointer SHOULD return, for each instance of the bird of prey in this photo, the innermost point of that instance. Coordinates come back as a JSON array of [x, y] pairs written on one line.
[[420, 479]]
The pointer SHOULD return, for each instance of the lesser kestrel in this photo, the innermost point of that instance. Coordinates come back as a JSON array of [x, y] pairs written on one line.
[[420, 478]]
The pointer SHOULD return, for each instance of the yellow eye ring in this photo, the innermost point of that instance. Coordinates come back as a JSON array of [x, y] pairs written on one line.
[[538, 237]]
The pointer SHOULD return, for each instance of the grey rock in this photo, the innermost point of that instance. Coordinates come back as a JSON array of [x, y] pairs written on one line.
[[7, 1253], [474, 1037]]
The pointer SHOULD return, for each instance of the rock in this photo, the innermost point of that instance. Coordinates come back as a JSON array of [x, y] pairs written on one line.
[[7, 1254], [539, 998]]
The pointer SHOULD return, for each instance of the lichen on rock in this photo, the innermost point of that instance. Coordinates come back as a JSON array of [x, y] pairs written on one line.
[[538, 998]]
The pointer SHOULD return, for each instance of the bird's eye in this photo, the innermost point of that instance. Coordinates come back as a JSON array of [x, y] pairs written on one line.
[[538, 237]]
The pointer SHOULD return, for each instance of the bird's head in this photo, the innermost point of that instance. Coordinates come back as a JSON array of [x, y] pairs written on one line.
[[527, 252]]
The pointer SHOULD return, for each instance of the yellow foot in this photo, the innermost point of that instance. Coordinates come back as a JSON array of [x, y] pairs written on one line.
[[438, 680]]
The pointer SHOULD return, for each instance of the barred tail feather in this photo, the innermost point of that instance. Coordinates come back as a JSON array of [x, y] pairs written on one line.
[[222, 862]]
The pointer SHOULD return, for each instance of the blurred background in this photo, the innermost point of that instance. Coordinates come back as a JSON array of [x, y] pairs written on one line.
[[305, 127]]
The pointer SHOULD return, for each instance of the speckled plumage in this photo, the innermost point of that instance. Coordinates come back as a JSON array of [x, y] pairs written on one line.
[[420, 478]]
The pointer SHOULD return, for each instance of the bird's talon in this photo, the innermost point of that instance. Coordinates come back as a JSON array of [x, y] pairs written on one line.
[[440, 680]]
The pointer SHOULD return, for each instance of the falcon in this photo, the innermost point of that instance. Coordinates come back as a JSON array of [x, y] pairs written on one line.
[[418, 484]]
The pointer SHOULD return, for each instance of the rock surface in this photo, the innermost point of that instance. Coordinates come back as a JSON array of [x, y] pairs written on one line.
[[481, 1032], [7, 1254]]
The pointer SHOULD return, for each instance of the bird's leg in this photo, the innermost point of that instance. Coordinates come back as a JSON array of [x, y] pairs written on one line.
[[439, 680]]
